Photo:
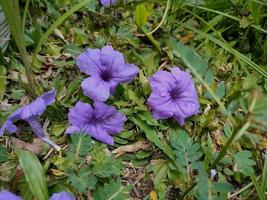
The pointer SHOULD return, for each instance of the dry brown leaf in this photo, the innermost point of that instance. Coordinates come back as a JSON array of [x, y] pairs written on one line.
[[140, 145], [35, 146]]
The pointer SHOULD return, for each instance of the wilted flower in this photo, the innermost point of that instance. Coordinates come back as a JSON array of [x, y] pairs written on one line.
[[107, 2], [30, 113], [173, 95], [101, 122], [62, 196], [107, 69], [6, 195]]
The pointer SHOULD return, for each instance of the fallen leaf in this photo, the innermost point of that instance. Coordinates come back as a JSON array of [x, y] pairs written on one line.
[[140, 145], [35, 146]]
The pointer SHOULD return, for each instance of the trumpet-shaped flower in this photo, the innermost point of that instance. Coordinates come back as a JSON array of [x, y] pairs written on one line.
[[62, 196], [107, 2], [30, 114], [107, 69], [6, 195], [173, 95], [100, 121]]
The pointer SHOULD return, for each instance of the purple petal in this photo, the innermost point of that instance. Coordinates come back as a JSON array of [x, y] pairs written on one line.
[[6, 195], [99, 133], [96, 89], [111, 58], [35, 108], [62, 196], [126, 73], [162, 107], [72, 129], [80, 114], [162, 82], [89, 62], [49, 97], [107, 2]]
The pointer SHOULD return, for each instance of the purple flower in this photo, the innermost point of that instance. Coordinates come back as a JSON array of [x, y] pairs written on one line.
[[62, 196], [6, 195], [107, 69], [173, 95], [101, 122], [107, 2], [30, 113], [213, 173]]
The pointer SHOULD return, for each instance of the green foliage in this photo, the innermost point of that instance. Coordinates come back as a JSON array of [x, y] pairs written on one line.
[[152, 136], [34, 174], [208, 190], [2, 82], [3, 154], [244, 162], [82, 179], [186, 151], [4, 31], [141, 15], [80, 146], [112, 191]]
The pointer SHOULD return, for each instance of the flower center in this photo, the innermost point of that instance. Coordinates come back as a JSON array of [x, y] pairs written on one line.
[[174, 94], [105, 75]]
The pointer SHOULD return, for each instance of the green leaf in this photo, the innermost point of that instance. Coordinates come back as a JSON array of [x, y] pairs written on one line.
[[80, 145], [3, 154], [258, 188], [2, 81], [244, 163], [4, 31], [152, 136], [34, 174], [82, 180], [113, 191], [186, 151], [141, 15]]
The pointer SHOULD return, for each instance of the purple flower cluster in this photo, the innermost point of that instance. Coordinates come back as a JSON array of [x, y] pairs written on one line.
[[173, 95], [107, 69], [6, 195]]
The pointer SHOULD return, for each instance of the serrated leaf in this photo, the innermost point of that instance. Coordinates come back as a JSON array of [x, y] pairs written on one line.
[[141, 15], [113, 191], [34, 174], [80, 145], [244, 162], [152, 136], [82, 180], [186, 151], [189, 57]]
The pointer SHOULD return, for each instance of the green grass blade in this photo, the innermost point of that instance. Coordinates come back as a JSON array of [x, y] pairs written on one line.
[[2, 81], [229, 16], [258, 189], [34, 174], [58, 22], [264, 174], [228, 48]]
